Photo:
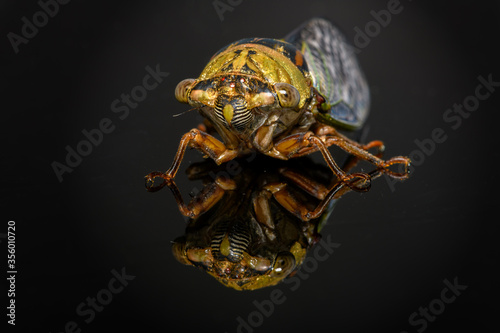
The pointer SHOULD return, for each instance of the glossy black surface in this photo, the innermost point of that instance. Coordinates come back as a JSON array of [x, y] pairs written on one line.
[[398, 242]]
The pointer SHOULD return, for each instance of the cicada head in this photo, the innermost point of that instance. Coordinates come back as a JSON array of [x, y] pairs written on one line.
[[230, 259], [237, 101]]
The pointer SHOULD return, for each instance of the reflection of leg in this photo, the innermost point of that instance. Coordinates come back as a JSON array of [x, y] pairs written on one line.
[[263, 211], [310, 186], [294, 145], [288, 201], [204, 200], [201, 141]]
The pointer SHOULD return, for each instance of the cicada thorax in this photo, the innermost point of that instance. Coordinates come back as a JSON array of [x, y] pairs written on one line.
[[249, 84], [270, 61]]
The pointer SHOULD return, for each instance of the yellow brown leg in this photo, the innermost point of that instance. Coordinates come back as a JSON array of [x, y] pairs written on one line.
[[201, 141], [292, 145], [312, 187], [331, 136], [204, 200], [288, 201], [323, 131], [263, 213], [300, 145], [363, 154]]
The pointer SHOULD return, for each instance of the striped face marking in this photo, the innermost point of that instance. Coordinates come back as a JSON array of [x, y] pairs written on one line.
[[230, 244], [232, 111], [225, 247], [228, 112]]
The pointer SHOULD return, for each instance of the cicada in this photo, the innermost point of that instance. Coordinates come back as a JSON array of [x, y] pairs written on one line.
[[253, 230], [284, 98]]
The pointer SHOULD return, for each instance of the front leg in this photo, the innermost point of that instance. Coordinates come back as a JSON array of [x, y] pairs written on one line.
[[201, 141], [263, 139]]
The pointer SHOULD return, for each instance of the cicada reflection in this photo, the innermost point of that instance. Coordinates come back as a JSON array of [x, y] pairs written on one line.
[[253, 229]]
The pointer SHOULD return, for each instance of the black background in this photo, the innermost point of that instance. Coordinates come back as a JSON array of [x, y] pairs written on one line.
[[397, 246]]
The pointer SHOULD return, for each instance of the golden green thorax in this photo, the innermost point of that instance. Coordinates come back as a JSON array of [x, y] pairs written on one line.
[[259, 62], [255, 281]]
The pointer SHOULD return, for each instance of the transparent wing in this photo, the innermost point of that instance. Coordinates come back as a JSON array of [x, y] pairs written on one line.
[[335, 72]]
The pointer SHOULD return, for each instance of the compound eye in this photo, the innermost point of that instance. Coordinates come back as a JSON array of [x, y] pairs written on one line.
[[284, 265], [288, 95], [182, 90]]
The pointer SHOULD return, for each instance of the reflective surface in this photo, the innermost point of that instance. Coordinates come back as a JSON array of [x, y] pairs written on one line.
[[386, 254], [252, 229]]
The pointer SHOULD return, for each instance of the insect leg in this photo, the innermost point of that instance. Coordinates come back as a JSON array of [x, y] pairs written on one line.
[[203, 142], [263, 213], [204, 200], [293, 145], [330, 136], [360, 152], [310, 186], [315, 188], [322, 130], [337, 190], [288, 201]]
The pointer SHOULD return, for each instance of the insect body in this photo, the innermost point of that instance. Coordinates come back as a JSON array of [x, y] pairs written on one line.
[[283, 98]]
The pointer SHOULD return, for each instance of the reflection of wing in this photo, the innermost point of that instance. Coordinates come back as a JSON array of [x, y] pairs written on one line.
[[335, 72]]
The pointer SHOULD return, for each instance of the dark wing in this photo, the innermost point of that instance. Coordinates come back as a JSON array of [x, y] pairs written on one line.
[[335, 72]]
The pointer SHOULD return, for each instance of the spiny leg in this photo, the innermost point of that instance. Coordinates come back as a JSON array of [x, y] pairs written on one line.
[[323, 130], [311, 186], [330, 136], [363, 154], [201, 141], [292, 145], [352, 160], [332, 132]]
